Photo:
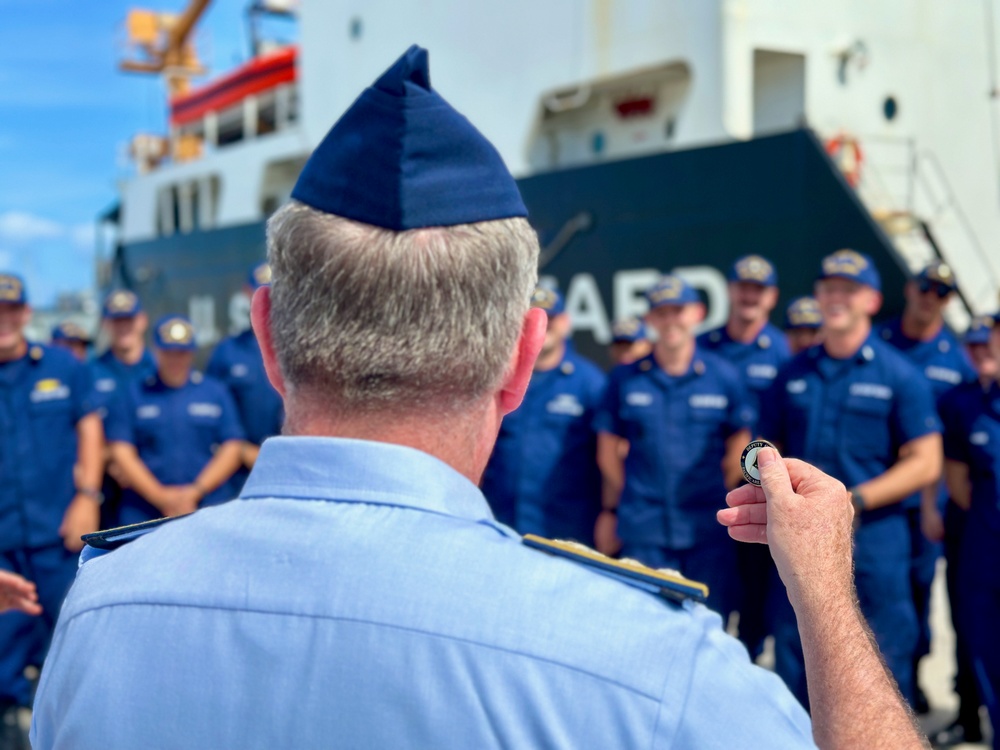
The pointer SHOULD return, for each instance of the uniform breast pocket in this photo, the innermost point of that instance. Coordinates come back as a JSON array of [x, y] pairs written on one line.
[[865, 426], [53, 417], [640, 422]]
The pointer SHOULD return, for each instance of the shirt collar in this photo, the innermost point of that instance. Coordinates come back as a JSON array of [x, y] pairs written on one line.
[[343, 470]]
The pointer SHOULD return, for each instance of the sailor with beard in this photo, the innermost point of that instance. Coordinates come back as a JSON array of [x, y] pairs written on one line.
[[683, 415]]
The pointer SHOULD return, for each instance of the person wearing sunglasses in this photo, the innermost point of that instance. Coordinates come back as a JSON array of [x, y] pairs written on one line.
[[921, 334]]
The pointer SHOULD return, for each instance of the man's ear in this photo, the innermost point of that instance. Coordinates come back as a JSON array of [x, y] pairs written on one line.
[[522, 360], [260, 319], [875, 303]]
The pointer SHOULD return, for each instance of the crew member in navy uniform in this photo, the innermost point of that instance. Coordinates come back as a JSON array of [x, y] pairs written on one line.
[[363, 561], [47, 425], [856, 408], [803, 324], [176, 435], [126, 361], [629, 341], [958, 406], [757, 349], [684, 417], [542, 477], [237, 363], [71, 336], [921, 334]]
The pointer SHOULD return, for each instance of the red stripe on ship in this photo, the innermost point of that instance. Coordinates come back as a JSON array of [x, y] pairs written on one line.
[[258, 75]]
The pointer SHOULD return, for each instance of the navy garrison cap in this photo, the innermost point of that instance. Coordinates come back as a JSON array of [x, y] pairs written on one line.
[[402, 158]]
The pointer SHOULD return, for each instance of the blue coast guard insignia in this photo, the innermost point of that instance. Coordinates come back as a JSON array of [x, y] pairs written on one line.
[[669, 583]]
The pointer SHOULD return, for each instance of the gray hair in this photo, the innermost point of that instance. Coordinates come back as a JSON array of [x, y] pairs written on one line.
[[373, 319]]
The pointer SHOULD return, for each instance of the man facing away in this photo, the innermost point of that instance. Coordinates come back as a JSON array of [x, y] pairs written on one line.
[[360, 593], [542, 477]]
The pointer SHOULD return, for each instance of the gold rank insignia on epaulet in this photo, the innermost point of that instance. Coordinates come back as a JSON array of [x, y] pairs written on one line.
[[670, 583]]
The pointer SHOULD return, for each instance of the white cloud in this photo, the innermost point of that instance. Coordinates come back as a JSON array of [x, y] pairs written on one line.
[[18, 226]]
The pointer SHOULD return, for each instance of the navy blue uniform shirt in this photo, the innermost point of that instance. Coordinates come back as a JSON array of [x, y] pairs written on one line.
[[849, 417], [238, 364], [677, 429], [112, 376], [42, 397], [175, 431], [971, 416], [542, 477], [758, 362]]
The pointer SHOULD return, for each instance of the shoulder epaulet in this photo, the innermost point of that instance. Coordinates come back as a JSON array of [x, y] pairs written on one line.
[[110, 539], [671, 584]]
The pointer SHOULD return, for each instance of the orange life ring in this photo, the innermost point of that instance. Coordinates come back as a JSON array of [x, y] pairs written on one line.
[[846, 154]]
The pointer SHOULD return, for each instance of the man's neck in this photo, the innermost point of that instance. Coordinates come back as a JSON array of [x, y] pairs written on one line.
[[464, 441], [917, 330], [14, 352], [743, 331], [550, 360], [128, 355], [675, 361], [844, 344]]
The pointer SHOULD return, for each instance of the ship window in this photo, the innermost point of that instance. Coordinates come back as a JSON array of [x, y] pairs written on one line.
[[356, 28], [889, 108]]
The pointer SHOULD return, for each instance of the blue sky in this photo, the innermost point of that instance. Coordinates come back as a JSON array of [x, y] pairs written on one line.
[[66, 116]]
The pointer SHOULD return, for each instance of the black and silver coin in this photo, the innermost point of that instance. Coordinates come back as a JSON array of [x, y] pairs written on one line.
[[748, 461]]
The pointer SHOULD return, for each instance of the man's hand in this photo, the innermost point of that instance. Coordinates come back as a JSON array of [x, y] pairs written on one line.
[[83, 516], [179, 500], [606, 534], [932, 524], [18, 593], [805, 517]]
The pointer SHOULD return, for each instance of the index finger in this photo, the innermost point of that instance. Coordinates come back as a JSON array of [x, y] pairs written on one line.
[[745, 495]]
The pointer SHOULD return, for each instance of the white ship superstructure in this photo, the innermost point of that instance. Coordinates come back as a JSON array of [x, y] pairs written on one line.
[[899, 90]]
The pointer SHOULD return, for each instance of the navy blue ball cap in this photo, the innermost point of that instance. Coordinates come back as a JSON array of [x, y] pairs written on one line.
[[979, 330], [850, 264], [628, 330], [402, 158], [70, 331], [938, 272], [12, 290], [803, 312], [174, 332], [754, 269], [671, 290], [549, 300], [260, 275], [121, 303]]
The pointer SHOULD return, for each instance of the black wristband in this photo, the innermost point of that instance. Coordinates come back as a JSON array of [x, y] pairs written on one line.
[[612, 511]]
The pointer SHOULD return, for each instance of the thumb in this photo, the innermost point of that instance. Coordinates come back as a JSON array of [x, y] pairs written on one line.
[[774, 479]]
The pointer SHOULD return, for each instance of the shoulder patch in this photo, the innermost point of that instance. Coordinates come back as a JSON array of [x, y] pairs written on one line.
[[671, 584], [110, 539]]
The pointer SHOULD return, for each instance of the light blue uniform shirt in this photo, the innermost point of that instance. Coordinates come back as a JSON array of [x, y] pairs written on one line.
[[362, 595]]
